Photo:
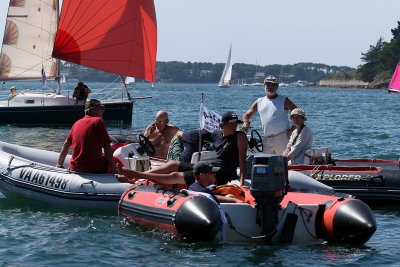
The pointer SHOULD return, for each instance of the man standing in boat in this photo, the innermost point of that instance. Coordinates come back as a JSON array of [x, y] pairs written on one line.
[[273, 110], [81, 92], [88, 137], [160, 134]]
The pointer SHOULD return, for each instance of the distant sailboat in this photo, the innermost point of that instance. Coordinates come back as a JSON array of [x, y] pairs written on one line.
[[394, 86], [224, 82]]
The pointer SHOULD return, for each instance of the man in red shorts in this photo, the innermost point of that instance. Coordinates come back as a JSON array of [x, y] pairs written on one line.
[[88, 137]]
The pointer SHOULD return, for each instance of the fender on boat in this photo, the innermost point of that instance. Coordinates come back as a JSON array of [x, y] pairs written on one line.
[[193, 217], [348, 221], [198, 219]]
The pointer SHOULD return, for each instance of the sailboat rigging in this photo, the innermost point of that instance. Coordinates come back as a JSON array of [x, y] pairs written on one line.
[[116, 36], [224, 82]]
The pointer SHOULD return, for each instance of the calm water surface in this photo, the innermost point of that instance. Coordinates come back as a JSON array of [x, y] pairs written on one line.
[[355, 122]]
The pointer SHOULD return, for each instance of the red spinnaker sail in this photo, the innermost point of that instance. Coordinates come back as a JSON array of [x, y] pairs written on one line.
[[395, 82], [118, 36]]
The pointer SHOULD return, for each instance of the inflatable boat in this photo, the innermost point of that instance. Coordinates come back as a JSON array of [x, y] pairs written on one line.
[[270, 214], [368, 183], [30, 173]]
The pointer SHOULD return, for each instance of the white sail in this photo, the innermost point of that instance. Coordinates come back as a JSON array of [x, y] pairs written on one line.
[[28, 40], [227, 73]]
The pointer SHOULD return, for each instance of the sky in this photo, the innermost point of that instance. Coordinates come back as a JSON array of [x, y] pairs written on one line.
[[269, 32]]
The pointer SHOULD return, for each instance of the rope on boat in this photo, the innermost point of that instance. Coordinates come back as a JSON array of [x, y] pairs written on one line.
[[34, 166]]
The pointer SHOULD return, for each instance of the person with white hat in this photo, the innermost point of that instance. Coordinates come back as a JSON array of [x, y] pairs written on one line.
[[301, 138], [273, 110]]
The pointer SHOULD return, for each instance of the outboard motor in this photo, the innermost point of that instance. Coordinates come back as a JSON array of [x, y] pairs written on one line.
[[269, 184]]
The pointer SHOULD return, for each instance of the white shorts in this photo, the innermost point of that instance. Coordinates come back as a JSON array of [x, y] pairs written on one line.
[[276, 144]]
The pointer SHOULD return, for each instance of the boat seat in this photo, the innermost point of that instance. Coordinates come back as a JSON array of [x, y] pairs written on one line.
[[203, 155], [322, 155]]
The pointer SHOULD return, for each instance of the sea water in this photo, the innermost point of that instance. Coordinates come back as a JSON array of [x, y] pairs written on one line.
[[354, 122]]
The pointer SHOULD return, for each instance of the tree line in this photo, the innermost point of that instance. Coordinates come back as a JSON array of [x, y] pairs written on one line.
[[201, 72]]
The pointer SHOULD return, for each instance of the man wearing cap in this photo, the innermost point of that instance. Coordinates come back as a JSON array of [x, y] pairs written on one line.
[[301, 139], [230, 146], [202, 175], [273, 110], [88, 137], [160, 134]]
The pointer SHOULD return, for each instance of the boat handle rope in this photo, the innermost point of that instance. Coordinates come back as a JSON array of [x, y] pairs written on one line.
[[232, 227], [35, 166], [308, 213], [315, 171], [91, 182]]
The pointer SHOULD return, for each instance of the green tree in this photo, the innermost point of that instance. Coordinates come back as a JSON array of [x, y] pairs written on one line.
[[373, 63]]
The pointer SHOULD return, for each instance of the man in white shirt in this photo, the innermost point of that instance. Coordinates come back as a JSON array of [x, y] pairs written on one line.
[[273, 110]]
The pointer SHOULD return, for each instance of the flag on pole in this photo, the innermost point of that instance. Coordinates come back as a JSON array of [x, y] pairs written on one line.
[[209, 120], [44, 80]]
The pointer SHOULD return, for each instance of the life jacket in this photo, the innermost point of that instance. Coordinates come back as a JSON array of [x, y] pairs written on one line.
[[226, 189]]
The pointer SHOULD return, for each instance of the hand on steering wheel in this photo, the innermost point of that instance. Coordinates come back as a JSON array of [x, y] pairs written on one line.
[[146, 145], [256, 141]]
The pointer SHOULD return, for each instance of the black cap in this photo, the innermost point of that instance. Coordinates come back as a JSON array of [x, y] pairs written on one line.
[[230, 117], [205, 167]]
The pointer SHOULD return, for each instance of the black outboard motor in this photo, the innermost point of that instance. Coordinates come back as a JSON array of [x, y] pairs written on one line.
[[269, 184]]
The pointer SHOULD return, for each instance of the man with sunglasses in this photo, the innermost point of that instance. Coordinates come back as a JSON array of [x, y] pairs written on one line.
[[160, 134]]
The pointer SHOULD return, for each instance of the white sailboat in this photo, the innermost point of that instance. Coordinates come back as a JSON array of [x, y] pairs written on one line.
[[36, 38], [224, 82]]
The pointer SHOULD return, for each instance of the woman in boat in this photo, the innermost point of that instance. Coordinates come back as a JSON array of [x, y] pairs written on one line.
[[301, 138]]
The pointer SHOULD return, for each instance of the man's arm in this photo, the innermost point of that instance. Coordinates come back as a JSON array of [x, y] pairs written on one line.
[[242, 148], [63, 153], [150, 130], [109, 157], [289, 105], [246, 117]]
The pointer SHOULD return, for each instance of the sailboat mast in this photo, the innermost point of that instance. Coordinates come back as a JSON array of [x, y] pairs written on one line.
[[126, 87], [58, 62]]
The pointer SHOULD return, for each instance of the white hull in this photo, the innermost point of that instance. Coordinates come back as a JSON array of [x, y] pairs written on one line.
[[249, 231], [29, 173]]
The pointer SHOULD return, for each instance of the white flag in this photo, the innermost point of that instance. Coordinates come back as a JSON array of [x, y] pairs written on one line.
[[209, 120]]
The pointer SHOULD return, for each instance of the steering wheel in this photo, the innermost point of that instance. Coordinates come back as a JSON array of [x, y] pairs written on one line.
[[256, 141], [145, 145]]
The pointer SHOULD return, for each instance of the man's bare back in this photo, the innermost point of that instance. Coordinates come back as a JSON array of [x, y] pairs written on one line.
[[160, 133]]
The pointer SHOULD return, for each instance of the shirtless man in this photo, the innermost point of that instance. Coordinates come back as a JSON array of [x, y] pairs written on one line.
[[160, 133]]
